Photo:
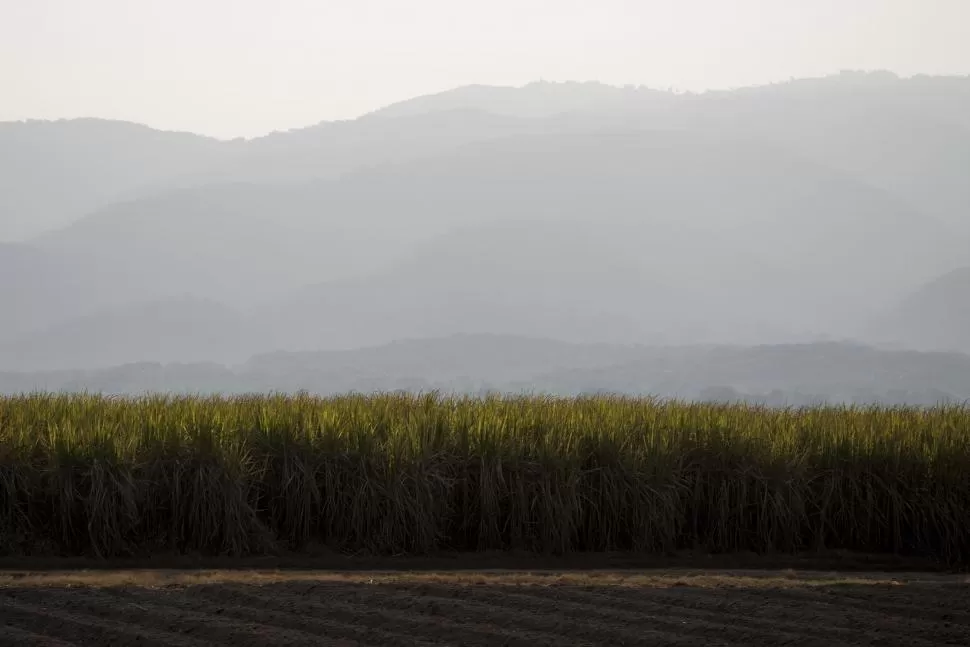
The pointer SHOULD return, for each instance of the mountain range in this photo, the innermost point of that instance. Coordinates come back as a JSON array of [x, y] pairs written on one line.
[[775, 375], [831, 208]]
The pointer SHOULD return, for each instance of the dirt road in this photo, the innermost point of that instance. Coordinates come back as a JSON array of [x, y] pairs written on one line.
[[644, 607]]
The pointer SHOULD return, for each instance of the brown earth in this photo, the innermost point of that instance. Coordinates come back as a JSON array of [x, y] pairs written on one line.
[[43, 605]]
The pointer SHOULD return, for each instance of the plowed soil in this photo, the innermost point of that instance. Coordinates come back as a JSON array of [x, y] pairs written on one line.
[[494, 607]]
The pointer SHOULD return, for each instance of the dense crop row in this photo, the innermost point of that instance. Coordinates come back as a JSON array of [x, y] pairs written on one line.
[[390, 474]]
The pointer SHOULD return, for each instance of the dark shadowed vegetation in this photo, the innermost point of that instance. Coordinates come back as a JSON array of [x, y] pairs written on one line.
[[415, 474]]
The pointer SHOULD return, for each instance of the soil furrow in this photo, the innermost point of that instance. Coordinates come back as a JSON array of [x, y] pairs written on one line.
[[716, 608], [923, 627], [596, 624], [933, 602], [83, 629], [720, 632], [11, 636], [545, 629], [187, 622], [765, 609], [169, 607], [363, 603], [563, 627], [201, 608], [223, 600]]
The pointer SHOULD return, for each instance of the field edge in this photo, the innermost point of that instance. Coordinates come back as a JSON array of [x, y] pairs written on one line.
[[835, 561]]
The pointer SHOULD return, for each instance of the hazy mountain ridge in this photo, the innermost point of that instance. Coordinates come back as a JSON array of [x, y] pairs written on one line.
[[576, 211], [495, 237], [934, 317], [433, 124], [53, 172], [536, 100], [780, 375], [167, 330]]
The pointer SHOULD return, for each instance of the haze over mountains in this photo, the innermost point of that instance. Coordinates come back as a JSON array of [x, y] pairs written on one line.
[[835, 208], [777, 375]]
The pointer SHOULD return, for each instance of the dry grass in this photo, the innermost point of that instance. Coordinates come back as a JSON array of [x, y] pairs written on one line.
[[749, 579]]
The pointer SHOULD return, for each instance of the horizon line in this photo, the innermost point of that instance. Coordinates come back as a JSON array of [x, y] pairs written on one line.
[[624, 87]]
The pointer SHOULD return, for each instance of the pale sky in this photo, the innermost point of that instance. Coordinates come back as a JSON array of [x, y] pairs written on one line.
[[247, 67]]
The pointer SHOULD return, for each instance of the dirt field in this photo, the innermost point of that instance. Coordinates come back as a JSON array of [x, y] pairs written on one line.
[[485, 607]]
